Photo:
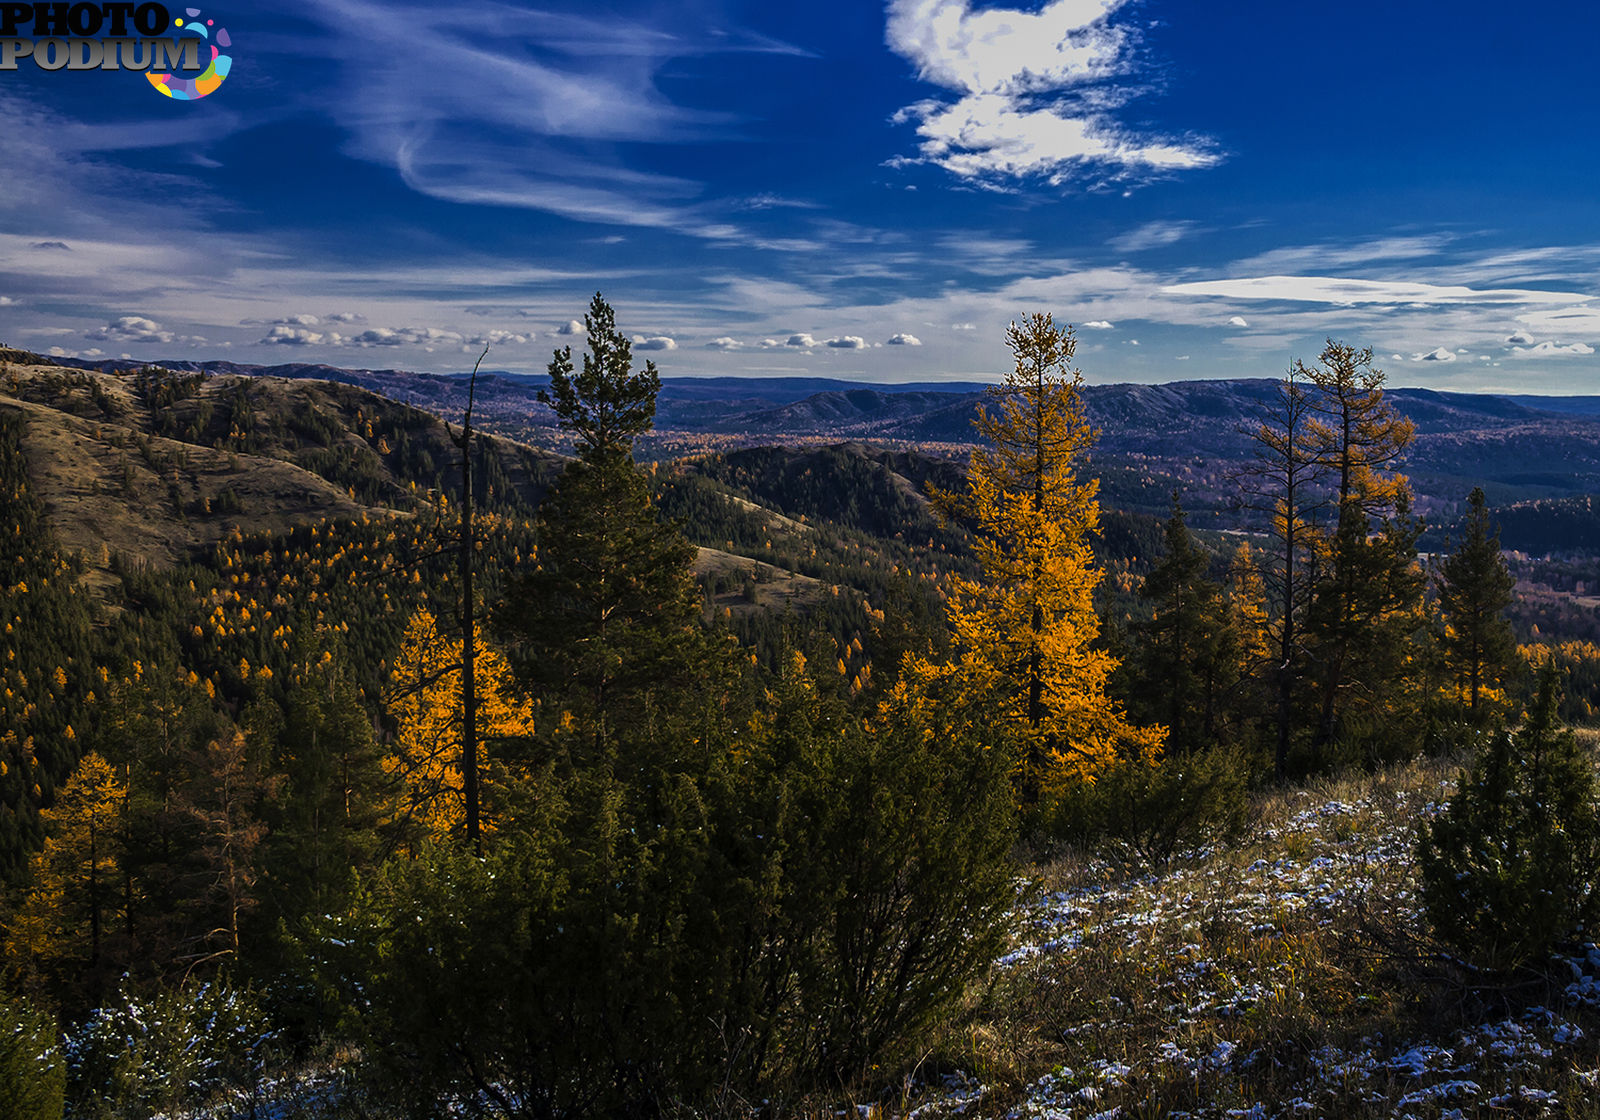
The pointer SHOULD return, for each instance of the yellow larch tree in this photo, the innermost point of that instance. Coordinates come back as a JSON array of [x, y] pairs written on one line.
[[1025, 629], [424, 698], [75, 888]]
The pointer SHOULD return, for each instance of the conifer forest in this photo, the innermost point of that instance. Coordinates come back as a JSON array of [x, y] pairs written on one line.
[[576, 747]]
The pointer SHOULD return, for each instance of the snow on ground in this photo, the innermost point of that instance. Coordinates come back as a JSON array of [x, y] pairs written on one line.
[[1226, 986]]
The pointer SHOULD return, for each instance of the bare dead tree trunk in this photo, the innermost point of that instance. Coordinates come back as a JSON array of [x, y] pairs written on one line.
[[469, 692]]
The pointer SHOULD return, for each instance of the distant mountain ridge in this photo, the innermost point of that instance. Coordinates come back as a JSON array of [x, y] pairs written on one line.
[[1185, 435]]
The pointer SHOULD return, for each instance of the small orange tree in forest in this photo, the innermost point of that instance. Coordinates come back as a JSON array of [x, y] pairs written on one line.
[[424, 698], [1025, 629], [59, 932]]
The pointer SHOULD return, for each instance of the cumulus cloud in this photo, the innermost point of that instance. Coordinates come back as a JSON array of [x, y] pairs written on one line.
[[1442, 354], [131, 328], [770, 344], [1034, 90], [1519, 338], [903, 339], [299, 336], [654, 342], [1344, 291], [801, 341], [94, 352], [1238, 321], [61, 245], [1098, 325], [571, 326], [426, 337], [848, 342], [7, 301], [1552, 350], [501, 338], [346, 317], [725, 343], [963, 326]]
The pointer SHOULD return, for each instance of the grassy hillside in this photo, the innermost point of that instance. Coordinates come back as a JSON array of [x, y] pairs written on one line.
[[1286, 975], [158, 465]]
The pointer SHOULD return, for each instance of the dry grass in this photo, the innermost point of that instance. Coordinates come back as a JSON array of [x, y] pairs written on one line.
[[1273, 978]]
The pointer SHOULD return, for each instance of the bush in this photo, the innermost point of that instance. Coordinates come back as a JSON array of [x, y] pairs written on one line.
[[1149, 812], [32, 1075], [183, 1046], [1509, 870], [800, 904]]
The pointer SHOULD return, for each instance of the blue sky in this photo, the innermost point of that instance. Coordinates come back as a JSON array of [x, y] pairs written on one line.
[[840, 188]]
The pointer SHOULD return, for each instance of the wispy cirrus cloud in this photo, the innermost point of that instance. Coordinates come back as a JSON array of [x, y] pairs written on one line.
[[501, 124], [1348, 291], [1036, 92]]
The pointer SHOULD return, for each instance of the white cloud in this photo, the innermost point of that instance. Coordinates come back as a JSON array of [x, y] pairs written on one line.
[[1238, 321], [426, 337], [7, 301], [1519, 338], [299, 336], [531, 128], [963, 326], [770, 344], [654, 342], [848, 342], [501, 338], [1151, 235], [1566, 321], [904, 339], [1552, 350], [1098, 325], [801, 341], [58, 352], [725, 343], [1345, 291], [131, 328], [1442, 354], [570, 327], [346, 317], [1034, 90]]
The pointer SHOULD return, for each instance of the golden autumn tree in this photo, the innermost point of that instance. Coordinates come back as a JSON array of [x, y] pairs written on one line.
[[424, 698], [58, 934], [1025, 629]]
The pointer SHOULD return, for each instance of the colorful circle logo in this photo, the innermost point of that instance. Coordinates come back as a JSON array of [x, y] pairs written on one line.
[[193, 89]]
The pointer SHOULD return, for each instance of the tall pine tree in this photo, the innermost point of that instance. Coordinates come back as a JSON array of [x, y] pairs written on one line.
[[1474, 591], [606, 625], [1187, 658], [1370, 584]]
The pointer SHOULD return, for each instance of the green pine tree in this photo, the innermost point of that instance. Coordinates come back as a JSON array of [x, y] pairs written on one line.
[[1474, 591], [1186, 661], [1509, 870], [606, 625]]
